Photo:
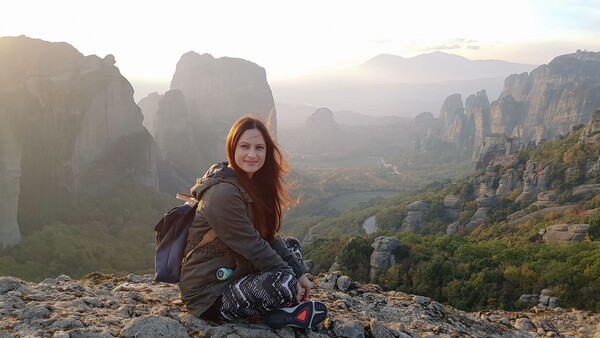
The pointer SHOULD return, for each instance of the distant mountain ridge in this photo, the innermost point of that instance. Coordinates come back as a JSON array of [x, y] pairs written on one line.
[[437, 67], [394, 85]]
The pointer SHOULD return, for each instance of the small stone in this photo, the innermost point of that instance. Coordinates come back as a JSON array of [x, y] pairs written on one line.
[[343, 283], [71, 322], [348, 328], [154, 326], [422, 300], [35, 312], [124, 312], [378, 330], [64, 278]]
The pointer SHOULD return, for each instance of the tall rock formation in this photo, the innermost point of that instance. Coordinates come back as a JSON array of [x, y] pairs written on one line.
[[191, 121], [70, 128], [532, 107], [452, 109], [591, 132], [466, 126], [320, 132], [149, 106], [551, 99]]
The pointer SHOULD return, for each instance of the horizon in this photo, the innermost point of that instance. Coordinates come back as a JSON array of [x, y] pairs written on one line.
[[358, 32], [292, 41]]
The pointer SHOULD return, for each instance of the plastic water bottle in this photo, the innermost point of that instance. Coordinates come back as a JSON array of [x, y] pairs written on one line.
[[224, 273]]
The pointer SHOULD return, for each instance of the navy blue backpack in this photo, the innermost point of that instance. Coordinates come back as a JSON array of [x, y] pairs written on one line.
[[171, 239]]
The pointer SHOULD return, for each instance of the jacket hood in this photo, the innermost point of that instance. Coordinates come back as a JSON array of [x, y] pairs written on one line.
[[217, 173]]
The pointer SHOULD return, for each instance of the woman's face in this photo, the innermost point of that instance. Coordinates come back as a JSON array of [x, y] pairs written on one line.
[[250, 151]]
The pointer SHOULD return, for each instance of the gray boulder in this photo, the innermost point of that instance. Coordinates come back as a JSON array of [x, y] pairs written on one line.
[[382, 257], [564, 233], [414, 216]]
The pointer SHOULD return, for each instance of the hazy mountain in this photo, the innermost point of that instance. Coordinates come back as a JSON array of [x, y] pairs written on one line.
[[393, 85], [289, 116], [434, 67]]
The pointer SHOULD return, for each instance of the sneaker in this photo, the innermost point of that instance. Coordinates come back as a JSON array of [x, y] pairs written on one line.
[[304, 315]]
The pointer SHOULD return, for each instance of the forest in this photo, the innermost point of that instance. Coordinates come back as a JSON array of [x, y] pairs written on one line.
[[496, 263]]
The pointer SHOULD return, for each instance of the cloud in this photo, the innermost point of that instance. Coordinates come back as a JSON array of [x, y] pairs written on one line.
[[452, 44], [380, 40], [440, 47]]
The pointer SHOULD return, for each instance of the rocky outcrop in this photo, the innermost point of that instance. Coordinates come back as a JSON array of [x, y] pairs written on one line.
[[10, 175], [149, 106], [425, 120], [545, 300], [546, 199], [452, 206], [565, 233], [321, 138], [452, 109], [591, 132], [541, 105], [191, 121], [382, 257], [465, 127], [484, 205], [414, 216], [321, 132], [135, 306], [74, 131], [552, 98], [477, 110], [535, 180], [509, 182]]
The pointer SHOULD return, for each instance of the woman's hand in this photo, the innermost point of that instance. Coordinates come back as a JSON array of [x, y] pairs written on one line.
[[304, 288]]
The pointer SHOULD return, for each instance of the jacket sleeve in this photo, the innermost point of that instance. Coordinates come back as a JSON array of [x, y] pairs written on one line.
[[225, 211], [294, 262]]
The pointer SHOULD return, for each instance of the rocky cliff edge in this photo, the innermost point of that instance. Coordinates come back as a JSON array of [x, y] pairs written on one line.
[[102, 305]]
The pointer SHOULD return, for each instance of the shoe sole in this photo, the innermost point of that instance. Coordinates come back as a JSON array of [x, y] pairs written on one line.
[[305, 315]]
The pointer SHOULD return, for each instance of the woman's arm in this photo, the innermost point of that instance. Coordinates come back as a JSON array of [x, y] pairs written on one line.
[[284, 252], [225, 210]]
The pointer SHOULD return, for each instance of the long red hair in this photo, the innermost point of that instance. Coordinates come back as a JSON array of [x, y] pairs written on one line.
[[267, 186]]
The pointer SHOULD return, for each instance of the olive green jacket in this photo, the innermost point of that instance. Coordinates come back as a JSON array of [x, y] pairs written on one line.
[[227, 208]]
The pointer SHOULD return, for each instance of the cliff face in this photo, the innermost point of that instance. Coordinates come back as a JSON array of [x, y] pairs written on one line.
[[552, 99], [541, 105], [191, 121], [70, 129], [135, 306]]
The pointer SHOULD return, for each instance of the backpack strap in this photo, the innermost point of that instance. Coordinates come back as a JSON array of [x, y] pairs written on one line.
[[208, 237]]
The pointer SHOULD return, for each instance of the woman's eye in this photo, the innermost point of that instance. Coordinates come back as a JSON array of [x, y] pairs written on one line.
[[244, 146], [260, 148]]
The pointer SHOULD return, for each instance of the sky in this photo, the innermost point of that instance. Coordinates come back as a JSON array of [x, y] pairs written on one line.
[[296, 38]]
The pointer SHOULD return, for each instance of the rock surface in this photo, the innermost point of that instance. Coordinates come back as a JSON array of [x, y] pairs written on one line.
[[191, 121], [101, 305], [382, 257], [565, 233], [414, 216], [533, 107], [70, 128], [552, 98]]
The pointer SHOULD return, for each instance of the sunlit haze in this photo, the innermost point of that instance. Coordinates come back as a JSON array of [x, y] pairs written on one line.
[[290, 39]]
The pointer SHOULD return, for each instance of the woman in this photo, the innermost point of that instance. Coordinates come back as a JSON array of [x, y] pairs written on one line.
[[247, 269]]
